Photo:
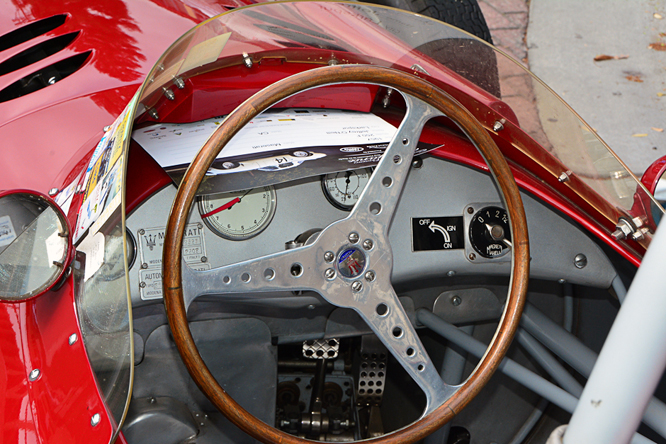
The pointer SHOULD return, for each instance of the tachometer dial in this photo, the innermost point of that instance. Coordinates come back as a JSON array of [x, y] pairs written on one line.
[[239, 215], [344, 188], [489, 232]]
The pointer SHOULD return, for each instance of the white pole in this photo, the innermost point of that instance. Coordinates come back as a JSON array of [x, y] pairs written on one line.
[[631, 361]]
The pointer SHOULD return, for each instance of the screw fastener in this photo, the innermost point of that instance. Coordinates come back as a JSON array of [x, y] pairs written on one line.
[[95, 420], [168, 93], [353, 237], [367, 244], [247, 60], [329, 273], [456, 300], [34, 375], [329, 256], [370, 275], [357, 286], [580, 261], [498, 126], [178, 82]]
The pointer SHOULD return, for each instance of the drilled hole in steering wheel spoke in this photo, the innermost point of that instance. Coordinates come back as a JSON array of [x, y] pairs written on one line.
[[375, 208], [245, 277], [269, 274], [296, 270], [397, 332]]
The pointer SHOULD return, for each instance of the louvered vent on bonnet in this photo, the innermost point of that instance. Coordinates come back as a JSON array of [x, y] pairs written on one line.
[[45, 76]]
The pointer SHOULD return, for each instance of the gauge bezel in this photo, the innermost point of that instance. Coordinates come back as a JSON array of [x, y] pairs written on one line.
[[328, 195], [239, 237]]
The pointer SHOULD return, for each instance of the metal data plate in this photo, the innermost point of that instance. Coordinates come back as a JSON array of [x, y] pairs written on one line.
[[151, 245]]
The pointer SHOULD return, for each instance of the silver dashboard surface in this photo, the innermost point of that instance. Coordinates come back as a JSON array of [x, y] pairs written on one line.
[[437, 189]]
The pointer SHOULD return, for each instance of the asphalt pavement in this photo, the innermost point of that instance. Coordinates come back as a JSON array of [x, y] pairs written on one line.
[[621, 94]]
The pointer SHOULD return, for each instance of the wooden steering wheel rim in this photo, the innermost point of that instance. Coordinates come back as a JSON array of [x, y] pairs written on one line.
[[409, 84]]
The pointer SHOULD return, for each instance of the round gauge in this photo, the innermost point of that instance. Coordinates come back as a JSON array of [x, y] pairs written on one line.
[[239, 215], [344, 188], [489, 232]]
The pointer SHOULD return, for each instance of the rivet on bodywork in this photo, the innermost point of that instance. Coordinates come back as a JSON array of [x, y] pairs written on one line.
[[498, 126], [95, 420], [73, 338], [53, 192], [34, 375]]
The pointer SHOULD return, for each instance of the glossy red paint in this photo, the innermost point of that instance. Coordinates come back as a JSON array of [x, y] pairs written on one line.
[[59, 404], [125, 37], [653, 174], [62, 399]]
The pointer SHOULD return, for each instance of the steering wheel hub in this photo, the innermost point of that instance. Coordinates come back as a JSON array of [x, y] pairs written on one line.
[[351, 262]]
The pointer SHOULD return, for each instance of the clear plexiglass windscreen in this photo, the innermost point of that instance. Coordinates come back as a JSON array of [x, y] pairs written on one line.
[[324, 33]]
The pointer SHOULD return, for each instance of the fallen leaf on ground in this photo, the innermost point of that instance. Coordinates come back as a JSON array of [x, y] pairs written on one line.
[[659, 46], [602, 57], [661, 94], [659, 130], [634, 78], [639, 135], [662, 34], [658, 16]]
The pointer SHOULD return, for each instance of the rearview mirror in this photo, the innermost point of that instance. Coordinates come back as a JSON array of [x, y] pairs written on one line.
[[35, 245]]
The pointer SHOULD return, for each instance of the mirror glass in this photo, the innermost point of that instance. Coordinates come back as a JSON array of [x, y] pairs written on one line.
[[34, 244]]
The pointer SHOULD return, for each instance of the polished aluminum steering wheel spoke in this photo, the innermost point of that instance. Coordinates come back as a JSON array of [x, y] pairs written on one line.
[[377, 203], [381, 309], [290, 270]]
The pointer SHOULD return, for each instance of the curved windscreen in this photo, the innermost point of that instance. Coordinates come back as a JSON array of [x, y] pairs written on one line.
[[102, 300], [573, 159]]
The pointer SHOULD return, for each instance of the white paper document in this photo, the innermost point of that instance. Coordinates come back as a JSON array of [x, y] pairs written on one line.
[[176, 144]]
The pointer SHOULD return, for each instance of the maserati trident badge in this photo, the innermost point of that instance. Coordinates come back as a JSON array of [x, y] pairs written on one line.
[[351, 262]]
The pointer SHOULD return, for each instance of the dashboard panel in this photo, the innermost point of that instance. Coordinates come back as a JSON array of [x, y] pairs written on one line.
[[441, 201]]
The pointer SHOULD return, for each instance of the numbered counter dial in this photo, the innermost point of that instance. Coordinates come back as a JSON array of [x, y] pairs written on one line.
[[489, 232], [343, 189], [239, 215]]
